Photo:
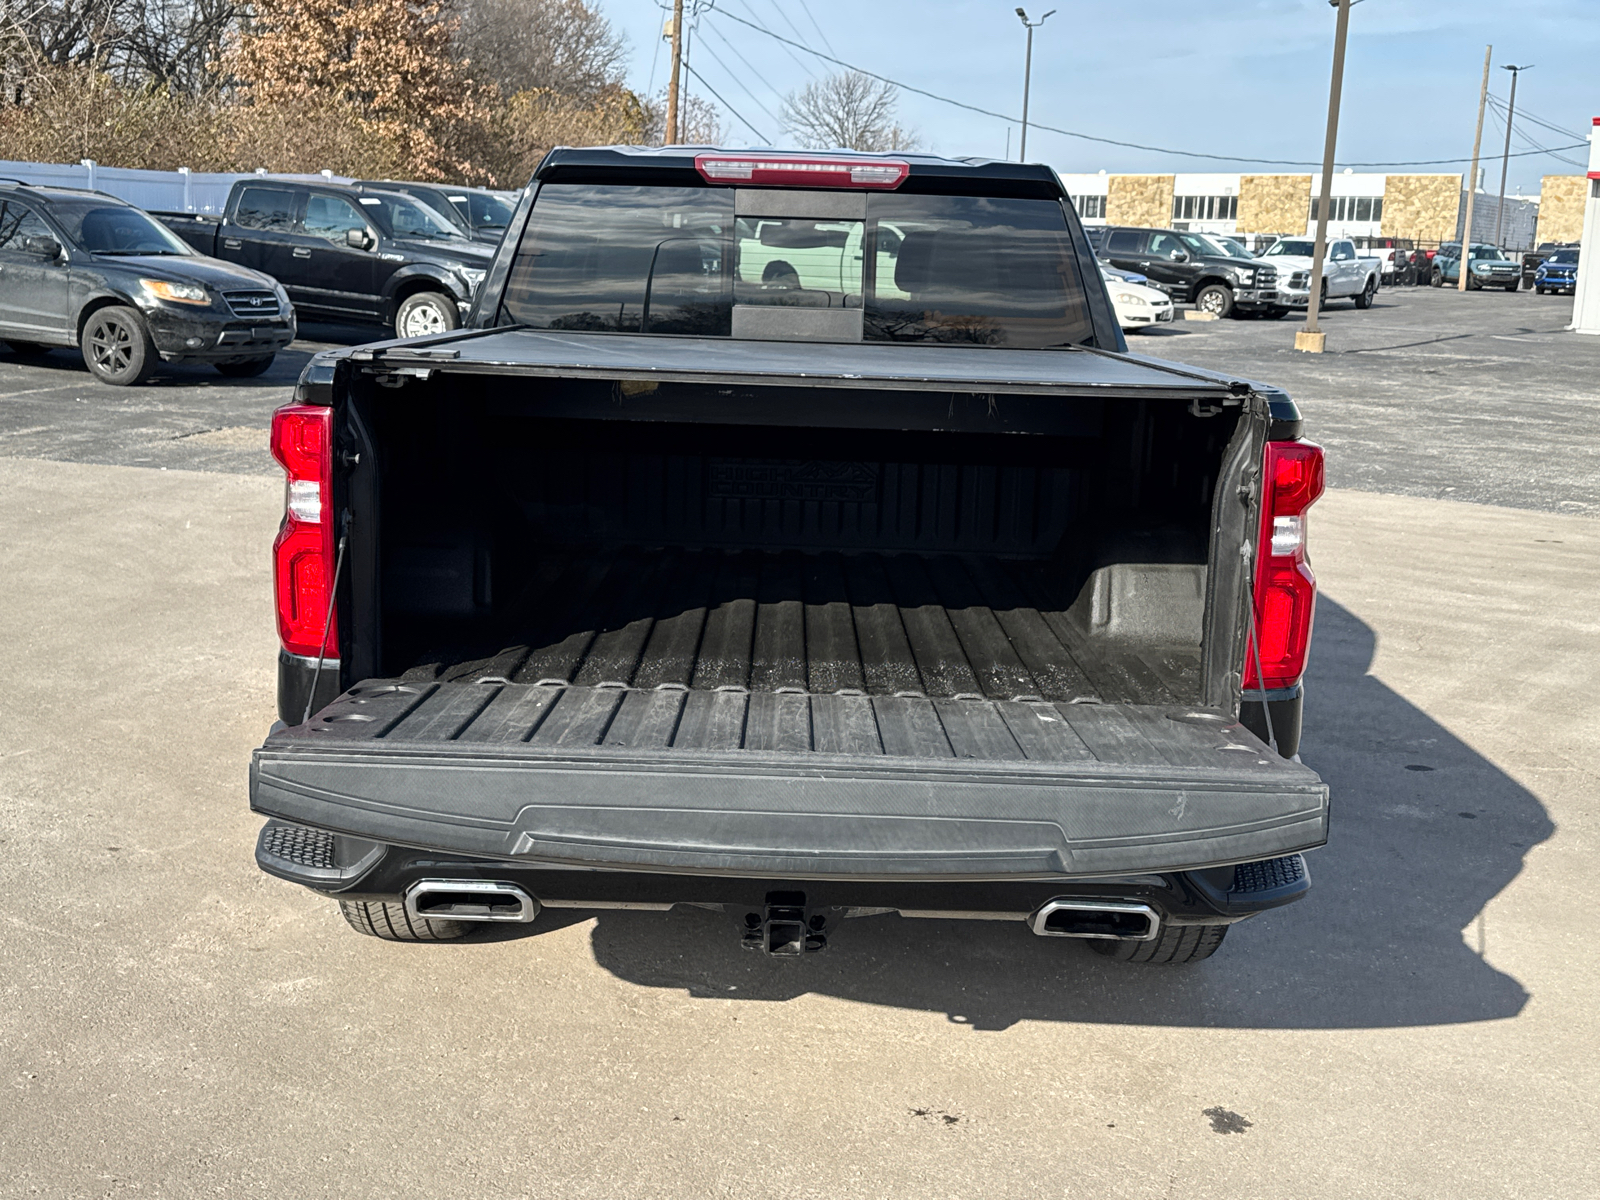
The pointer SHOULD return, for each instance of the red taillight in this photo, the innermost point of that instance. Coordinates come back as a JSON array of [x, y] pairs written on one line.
[[302, 555], [772, 170], [1285, 590]]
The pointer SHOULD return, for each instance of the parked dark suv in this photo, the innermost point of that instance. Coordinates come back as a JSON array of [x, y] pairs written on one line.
[[1191, 269], [478, 213], [84, 269]]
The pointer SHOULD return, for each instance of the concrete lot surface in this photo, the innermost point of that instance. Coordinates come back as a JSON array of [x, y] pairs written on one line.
[[1479, 396], [174, 1023]]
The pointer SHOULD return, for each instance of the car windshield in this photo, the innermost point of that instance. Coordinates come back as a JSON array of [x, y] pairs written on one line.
[[1490, 253], [1290, 248], [963, 269], [1564, 256], [406, 217], [1230, 247], [483, 210], [118, 229]]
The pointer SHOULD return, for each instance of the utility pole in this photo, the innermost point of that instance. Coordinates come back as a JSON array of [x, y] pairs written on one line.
[[1472, 179], [1505, 158], [1312, 339], [1027, 77], [677, 65]]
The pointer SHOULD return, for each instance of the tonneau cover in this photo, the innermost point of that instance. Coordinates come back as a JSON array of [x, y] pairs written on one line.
[[920, 367]]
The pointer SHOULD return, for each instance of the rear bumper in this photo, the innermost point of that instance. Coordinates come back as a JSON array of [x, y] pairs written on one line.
[[1211, 795], [351, 869]]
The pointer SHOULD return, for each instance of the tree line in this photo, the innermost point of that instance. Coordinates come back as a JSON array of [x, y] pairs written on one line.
[[469, 91]]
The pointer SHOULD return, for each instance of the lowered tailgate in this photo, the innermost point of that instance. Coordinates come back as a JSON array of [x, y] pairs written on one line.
[[789, 784]]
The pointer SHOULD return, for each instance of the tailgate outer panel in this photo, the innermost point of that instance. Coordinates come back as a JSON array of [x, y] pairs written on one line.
[[795, 814]]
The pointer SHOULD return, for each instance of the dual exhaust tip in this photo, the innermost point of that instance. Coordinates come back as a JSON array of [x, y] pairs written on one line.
[[489, 900], [469, 900], [1110, 920]]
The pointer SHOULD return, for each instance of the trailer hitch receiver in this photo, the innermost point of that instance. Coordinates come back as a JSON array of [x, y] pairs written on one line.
[[785, 927]]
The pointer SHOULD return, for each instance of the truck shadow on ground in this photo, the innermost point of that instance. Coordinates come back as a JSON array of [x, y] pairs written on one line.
[[1425, 833]]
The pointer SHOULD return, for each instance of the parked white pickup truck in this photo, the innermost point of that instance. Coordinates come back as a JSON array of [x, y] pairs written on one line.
[[1344, 273]]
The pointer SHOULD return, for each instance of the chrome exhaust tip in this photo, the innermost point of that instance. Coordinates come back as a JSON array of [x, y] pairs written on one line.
[[1112, 920], [469, 900]]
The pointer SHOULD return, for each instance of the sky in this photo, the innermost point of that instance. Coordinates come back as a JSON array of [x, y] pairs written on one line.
[[1247, 78]]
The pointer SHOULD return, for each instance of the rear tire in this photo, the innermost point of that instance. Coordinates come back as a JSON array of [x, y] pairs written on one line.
[[389, 920], [1173, 946], [1511, 287], [248, 369], [117, 348], [1215, 299], [424, 313], [1365, 295]]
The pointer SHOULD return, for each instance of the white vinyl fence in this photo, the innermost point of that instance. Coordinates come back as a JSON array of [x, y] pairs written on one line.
[[182, 190]]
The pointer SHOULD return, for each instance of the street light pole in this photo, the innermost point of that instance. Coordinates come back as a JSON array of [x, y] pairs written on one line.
[[1027, 77], [1505, 157], [1311, 338]]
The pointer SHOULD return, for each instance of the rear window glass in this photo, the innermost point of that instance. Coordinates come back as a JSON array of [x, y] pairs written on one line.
[[973, 270], [265, 208]]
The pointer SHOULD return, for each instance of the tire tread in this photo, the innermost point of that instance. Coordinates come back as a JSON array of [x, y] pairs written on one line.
[[1173, 946], [389, 920]]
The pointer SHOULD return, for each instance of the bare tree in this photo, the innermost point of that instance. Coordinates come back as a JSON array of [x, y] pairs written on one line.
[[134, 42], [847, 111], [699, 121], [560, 46]]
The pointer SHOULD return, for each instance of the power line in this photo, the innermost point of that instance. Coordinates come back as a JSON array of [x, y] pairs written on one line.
[[789, 21], [754, 70], [709, 49], [1538, 120], [755, 24], [1089, 137], [761, 137], [810, 16], [1500, 108], [1518, 130]]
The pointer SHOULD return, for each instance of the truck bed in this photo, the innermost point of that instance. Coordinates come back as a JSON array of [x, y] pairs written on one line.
[[947, 627]]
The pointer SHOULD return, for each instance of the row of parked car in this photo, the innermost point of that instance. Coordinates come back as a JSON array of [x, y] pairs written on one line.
[[130, 289], [1150, 270]]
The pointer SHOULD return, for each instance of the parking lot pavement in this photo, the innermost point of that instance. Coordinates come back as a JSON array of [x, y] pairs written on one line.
[[174, 1023], [1481, 396], [187, 417]]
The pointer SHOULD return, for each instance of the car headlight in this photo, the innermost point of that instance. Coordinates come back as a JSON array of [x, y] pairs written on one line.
[[1244, 278], [175, 293], [1130, 298], [473, 277], [1481, 268]]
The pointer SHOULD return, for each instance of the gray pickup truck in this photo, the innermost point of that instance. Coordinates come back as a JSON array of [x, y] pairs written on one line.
[[792, 535]]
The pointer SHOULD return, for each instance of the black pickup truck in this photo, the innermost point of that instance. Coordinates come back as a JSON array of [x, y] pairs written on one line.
[[346, 253], [792, 535]]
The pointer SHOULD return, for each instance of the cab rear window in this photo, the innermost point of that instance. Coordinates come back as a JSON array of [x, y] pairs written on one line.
[[665, 260]]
